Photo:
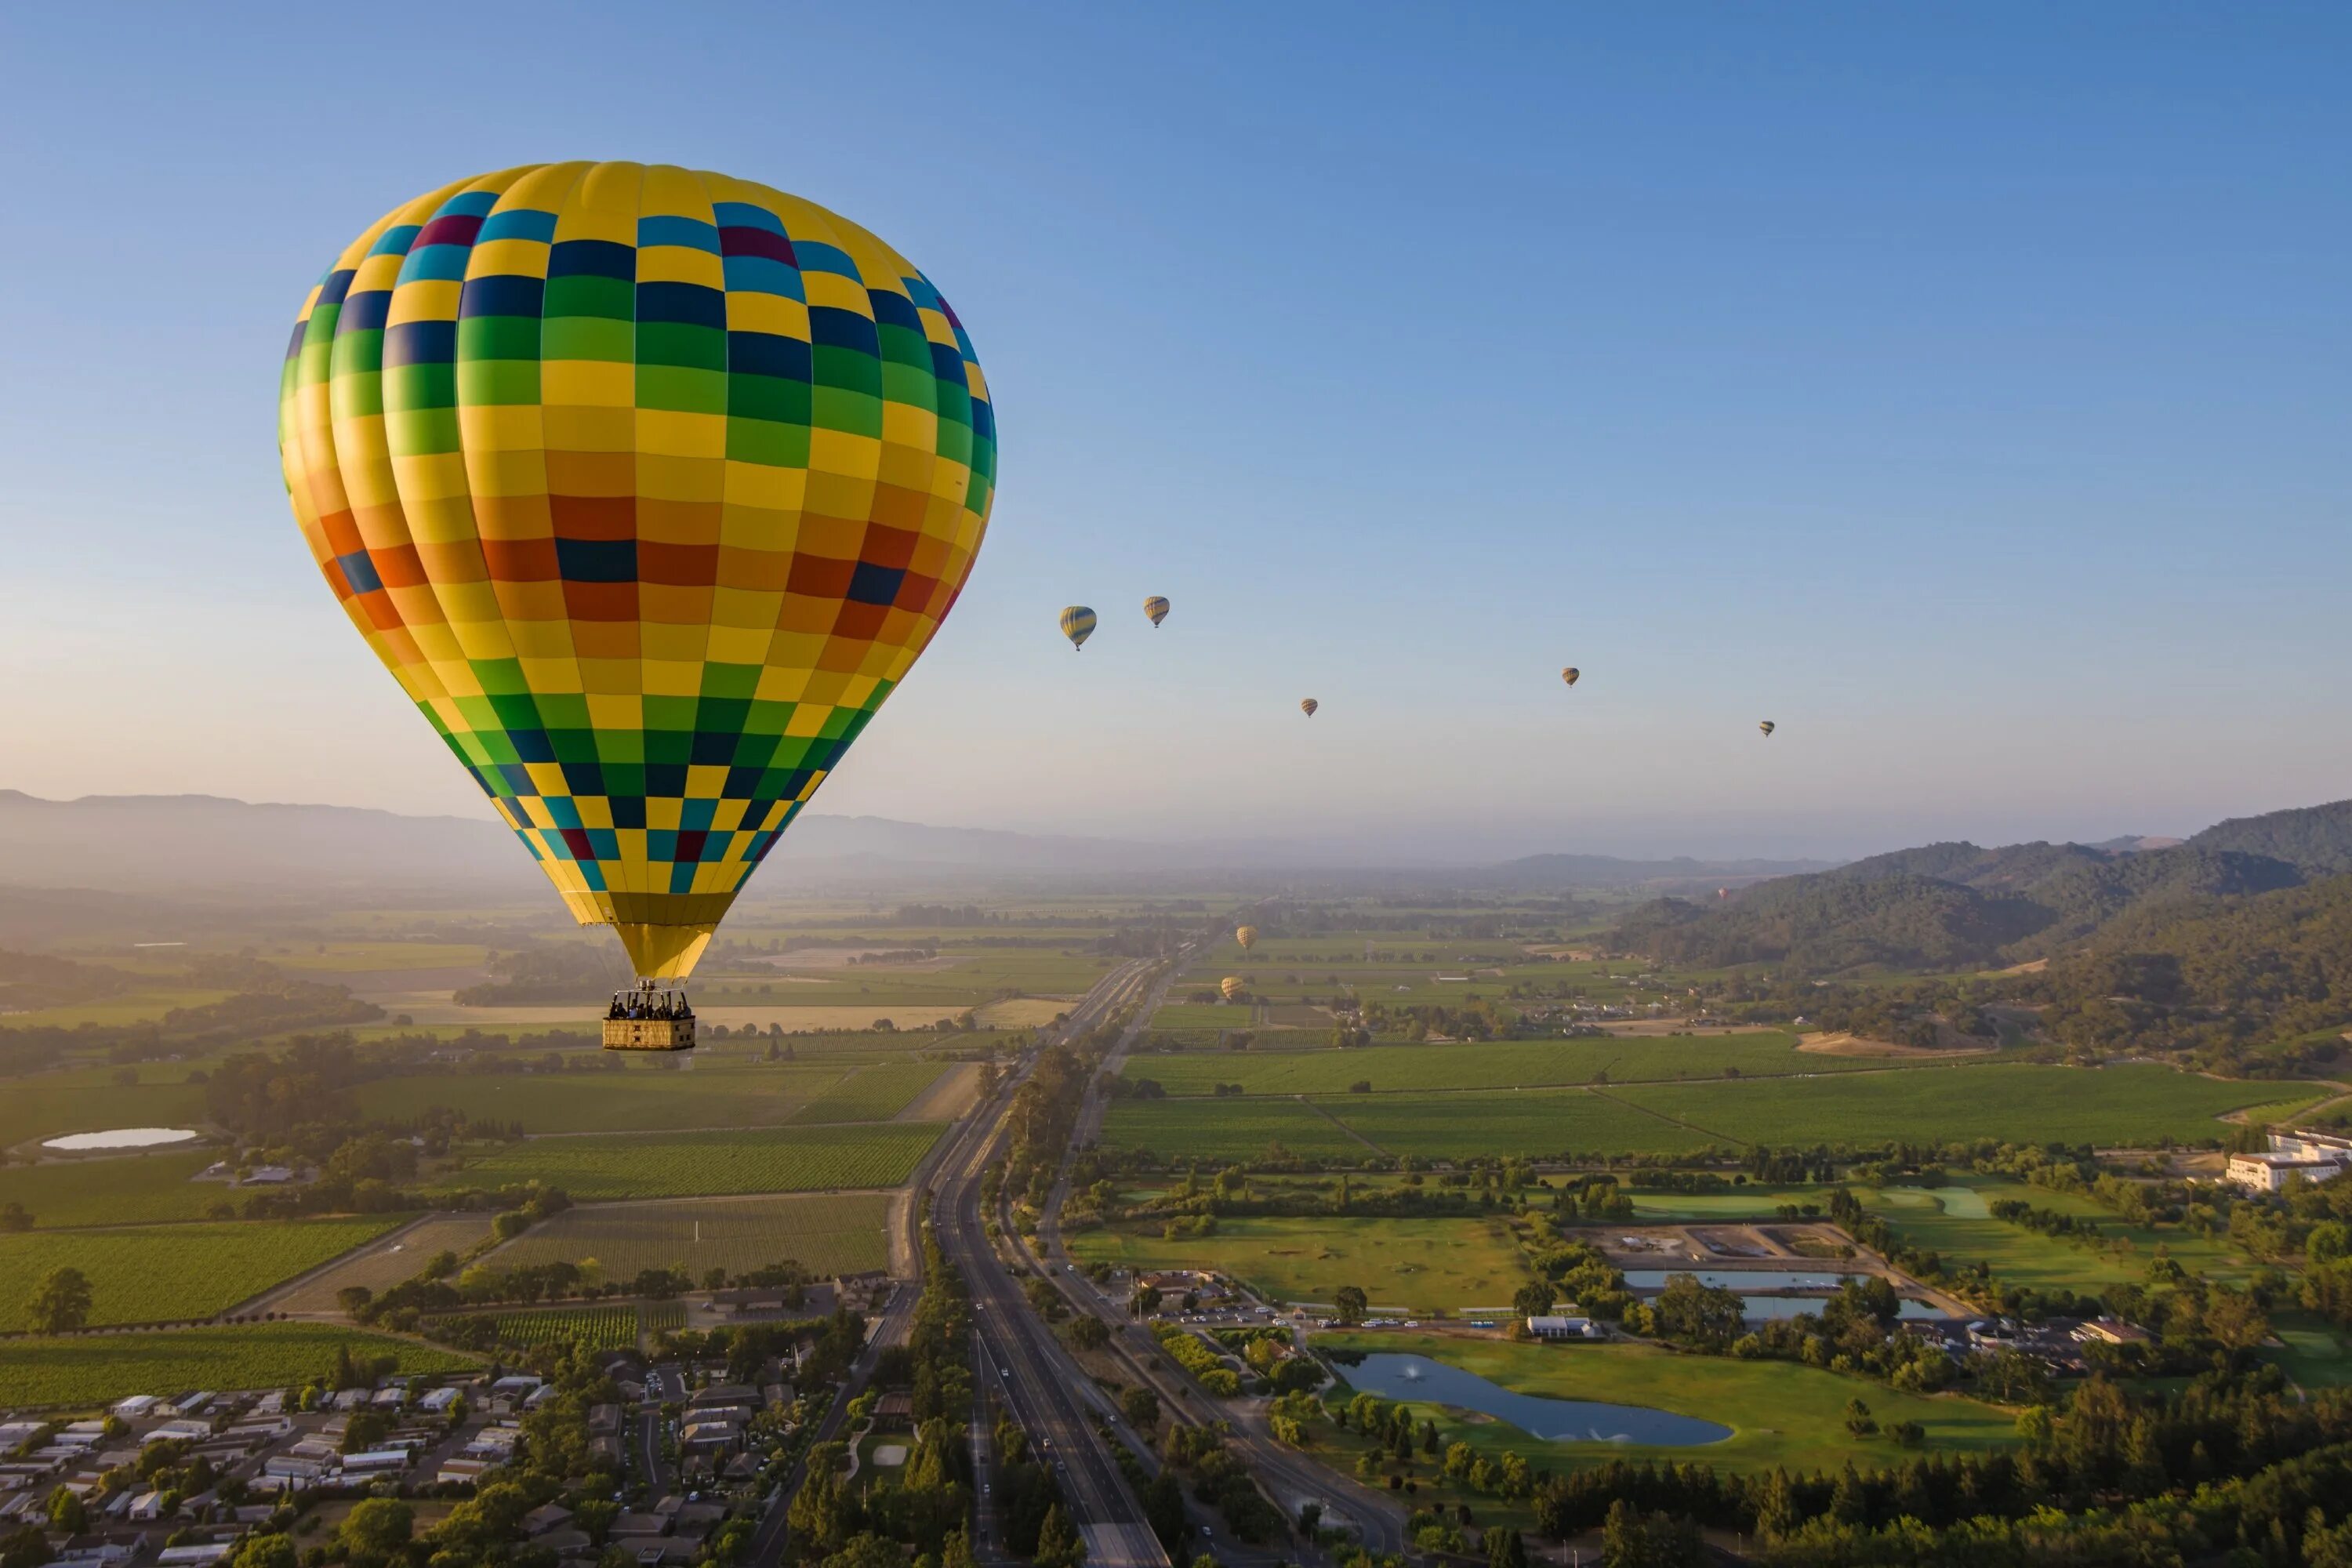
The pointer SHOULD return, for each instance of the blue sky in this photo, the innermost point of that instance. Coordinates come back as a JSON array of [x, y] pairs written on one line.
[[1963, 389]]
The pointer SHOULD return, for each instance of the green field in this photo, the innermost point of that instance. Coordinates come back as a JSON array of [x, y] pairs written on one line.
[[1502, 1064], [2017, 1104], [698, 1164], [89, 1369], [835, 1234], [1957, 1221], [635, 1099], [2005, 1101], [1539, 1123], [1781, 1412], [1227, 1130], [127, 1189], [961, 977], [1420, 1265], [873, 1092], [1214, 1016], [161, 1274], [51, 1103]]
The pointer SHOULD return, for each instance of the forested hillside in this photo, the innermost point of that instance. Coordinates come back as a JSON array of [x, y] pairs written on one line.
[[1954, 905]]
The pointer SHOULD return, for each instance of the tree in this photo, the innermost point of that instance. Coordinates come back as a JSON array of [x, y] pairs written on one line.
[[355, 1298], [1059, 1545], [1505, 1550], [1630, 1540], [1349, 1303], [376, 1528], [1141, 1408], [1163, 1510], [24, 1547], [866, 1549], [1147, 1301], [270, 1551], [1088, 1333], [60, 1302], [1533, 1300], [67, 1514]]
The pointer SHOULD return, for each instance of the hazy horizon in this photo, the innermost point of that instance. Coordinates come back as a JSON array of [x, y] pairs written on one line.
[[1972, 411]]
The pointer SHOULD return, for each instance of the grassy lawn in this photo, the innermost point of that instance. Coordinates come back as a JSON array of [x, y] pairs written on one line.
[[2119, 1105], [160, 1274], [127, 1189], [2316, 1354], [91, 1370], [1954, 1221], [698, 1164], [1781, 1412], [632, 1098], [830, 1235], [1421, 1265]]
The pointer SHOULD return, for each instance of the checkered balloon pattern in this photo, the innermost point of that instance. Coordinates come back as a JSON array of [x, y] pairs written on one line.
[[648, 486]]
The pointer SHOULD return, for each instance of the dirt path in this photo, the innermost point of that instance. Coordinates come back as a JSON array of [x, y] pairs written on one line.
[[1669, 1121], [1339, 1124], [951, 1094]]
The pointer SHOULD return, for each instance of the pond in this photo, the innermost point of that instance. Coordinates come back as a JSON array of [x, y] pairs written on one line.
[[1418, 1378], [1755, 1306], [1740, 1278], [119, 1138]]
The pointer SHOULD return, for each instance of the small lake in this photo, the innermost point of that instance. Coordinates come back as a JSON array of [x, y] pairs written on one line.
[[1416, 1377], [1740, 1278], [119, 1138]]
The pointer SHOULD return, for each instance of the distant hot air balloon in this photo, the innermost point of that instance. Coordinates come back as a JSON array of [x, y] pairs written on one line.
[[1156, 609], [1078, 625], [1308, 707], [1723, 892], [1247, 936], [648, 486], [1570, 674], [1768, 727], [1233, 985]]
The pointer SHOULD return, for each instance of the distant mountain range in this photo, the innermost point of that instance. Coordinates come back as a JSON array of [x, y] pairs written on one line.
[[209, 848], [1950, 905]]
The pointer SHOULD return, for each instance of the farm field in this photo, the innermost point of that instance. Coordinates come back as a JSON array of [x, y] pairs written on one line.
[[1540, 1123], [699, 1165], [1214, 1016], [132, 1007], [127, 1189], [598, 1328], [150, 1274], [633, 1098], [1502, 1064], [1224, 1131], [51, 1103], [84, 1371], [872, 1092], [834, 1234], [395, 1257], [1957, 1221], [1781, 1413], [2118, 1105], [436, 1010], [1420, 1265]]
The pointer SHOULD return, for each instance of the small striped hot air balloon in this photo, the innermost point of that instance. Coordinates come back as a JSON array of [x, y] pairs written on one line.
[[1570, 674], [1156, 609], [1078, 625], [1768, 727], [1233, 985], [1308, 707], [1247, 936]]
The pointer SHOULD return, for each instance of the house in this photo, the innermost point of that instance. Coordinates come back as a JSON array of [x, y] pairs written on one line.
[[2269, 1173], [377, 1461], [294, 1467], [436, 1402], [137, 1407], [267, 1176], [2113, 1331], [145, 1508], [544, 1518], [460, 1471], [1563, 1328], [203, 1556]]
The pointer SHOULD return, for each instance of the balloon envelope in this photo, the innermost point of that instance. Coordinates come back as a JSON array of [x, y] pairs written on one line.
[[1233, 985], [648, 486], [1570, 674], [1308, 707], [1247, 936], [1078, 625], [1768, 727], [1156, 609]]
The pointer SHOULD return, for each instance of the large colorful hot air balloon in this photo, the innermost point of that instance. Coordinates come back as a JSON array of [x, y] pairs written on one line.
[[1768, 727], [648, 486], [1078, 625], [1156, 609], [1308, 707], [1233, 985], [1247, 936], [1571, 674]]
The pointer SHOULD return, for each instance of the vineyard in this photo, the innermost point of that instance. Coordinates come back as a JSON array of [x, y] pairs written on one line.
[[161, 1274], [694, 1165], [597, 1327], [128, 1189], [87, 1370], [664, 1317], [834, 1234], [873, 1093]]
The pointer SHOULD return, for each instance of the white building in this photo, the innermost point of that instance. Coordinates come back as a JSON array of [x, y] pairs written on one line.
[[1560, 1328], [2294, 1151]]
